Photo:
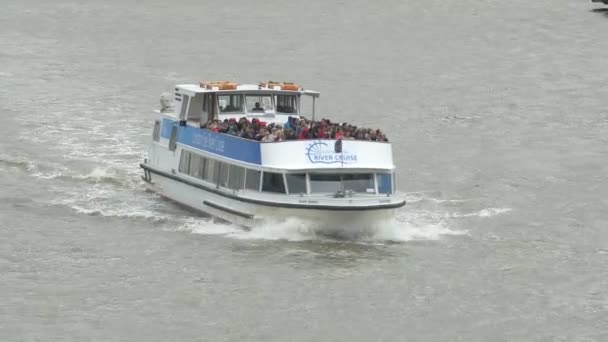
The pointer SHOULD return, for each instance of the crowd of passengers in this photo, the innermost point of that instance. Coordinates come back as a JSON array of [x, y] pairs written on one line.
[[294, 129]]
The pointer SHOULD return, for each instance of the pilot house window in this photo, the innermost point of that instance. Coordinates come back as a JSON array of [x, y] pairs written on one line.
[[286, 104], [231, 103], [258, 103], [184, 107]]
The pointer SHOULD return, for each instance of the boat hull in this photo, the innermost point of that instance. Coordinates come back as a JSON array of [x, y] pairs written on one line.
[[255, 214]]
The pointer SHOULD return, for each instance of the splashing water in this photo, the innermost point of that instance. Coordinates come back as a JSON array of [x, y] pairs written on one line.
[[406, 226]]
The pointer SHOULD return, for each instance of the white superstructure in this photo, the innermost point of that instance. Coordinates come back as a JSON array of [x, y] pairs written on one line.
[[332, 183]]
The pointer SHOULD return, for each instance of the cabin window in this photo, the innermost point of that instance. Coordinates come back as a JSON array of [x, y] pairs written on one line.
[[384, 183], [342, 182], [216, 172], [252, 181], [231, 103], [197, 166], [208, 170], [237, 177], [223, 174], [296, 183], [184, 162], [273, 182], [359, 182], [173, 139], [324, 183], [286, 104], [258, 103], [156, 132]]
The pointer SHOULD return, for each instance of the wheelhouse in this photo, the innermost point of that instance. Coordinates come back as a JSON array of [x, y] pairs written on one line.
[[267, 101]]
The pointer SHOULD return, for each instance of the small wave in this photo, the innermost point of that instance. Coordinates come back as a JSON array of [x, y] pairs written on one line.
[[100, 175], [19, 163], [431, 196], [97, 176], [100, 200], [47, 175], [488, 212], [121, 213], [458, 118], [36, 169], [437, 200]]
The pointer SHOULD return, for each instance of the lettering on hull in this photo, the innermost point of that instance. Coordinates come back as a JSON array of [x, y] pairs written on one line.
[[320, 152]]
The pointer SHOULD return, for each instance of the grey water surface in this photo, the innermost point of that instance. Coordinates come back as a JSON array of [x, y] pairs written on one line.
[[498, 115]]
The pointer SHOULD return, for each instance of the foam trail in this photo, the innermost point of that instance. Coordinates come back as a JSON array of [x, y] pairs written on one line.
[[488, 212], [122, 213], [436, 200], [101, 200]]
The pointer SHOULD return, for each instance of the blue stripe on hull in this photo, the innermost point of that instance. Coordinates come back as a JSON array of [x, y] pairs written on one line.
[[248, 151]]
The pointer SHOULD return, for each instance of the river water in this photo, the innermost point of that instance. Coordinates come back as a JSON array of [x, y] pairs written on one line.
[[498, 115]]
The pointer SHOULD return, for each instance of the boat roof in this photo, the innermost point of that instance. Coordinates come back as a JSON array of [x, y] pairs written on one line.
[[231, 87]]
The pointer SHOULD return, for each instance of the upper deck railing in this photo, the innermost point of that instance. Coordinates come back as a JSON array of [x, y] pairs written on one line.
[[296, 128]]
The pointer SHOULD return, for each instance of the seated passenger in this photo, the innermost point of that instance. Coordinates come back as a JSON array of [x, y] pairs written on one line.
[[269, 138], [302, 132], [257, 108]]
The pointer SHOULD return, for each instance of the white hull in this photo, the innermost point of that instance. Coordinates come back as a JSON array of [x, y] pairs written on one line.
[[250, 215]]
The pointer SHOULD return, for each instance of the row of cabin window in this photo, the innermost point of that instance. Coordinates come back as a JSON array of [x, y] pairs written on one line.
[[237, 177], [218, 172], [230, 176]]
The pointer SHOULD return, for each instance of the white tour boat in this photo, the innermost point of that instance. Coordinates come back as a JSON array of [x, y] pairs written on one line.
[[332, 183]]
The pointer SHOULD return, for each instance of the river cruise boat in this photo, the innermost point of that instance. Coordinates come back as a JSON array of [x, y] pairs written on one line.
[[331, 183]]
